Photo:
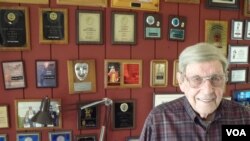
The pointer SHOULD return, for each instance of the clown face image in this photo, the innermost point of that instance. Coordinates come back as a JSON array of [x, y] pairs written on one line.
[[81, 70]]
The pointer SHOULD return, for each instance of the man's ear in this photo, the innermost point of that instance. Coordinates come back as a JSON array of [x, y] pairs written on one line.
[[180, 81]]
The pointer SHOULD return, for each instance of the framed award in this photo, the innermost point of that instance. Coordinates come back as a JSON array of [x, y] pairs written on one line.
[[94, 3], [238, 75], [88, 118], [27, 1], [26, 136], [247, 8], [86, 137], [223, 4], [184, 1], [247, 30], [14, 29], [152, 26], [3, 137], [160, 98], [177, 26], [158, 73], [60, 135], [238, 54], [175, 70], [53, 26], [237, 27], [4, 116]]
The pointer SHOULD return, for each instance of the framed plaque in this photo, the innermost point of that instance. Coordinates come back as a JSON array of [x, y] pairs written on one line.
[[88, 118], [175, 70], [81, 76], [242, 97], [223, 4], [238, 75], [184, 1], [25, 109], [133, 138], [95, 3], [237, 27], [27, 1], [176, 27], [89, 27], [124, 28], [14, 29], [158, 73], [146, 5], [14, 75], [53, 26], [60, 136], [216, 33], [123, 73], [28, 136], [4, 116], [123, 114], [247, 30], [46, 73], [238, 54], [160, 98], [3, 137], [86, 137], [247, 8], [152, 26]]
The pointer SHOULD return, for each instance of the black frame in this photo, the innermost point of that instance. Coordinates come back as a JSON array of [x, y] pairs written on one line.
[[221, 5], [245, 69]]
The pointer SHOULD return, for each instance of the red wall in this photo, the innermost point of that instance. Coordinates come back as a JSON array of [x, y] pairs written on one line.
[[146, 50]]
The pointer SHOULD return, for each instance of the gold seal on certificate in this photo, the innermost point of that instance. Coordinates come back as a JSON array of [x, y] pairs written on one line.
[[152, 26]]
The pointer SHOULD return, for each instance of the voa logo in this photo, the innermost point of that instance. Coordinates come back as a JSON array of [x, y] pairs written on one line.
[[236, 132]]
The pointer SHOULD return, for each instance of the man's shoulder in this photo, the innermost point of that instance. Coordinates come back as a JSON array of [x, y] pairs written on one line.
[[234, 108]]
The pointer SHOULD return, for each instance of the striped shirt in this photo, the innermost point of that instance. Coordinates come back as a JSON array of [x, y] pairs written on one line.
[[177, 121]]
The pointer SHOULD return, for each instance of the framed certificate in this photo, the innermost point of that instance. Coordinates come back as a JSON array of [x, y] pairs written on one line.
[[237, 27], [53, 26], [223, 4], [123, 114], [247, 8], [88, 118], [95, 3], [14, 29], [4, 116], [160, 98], [247, 30], [14, 75], [60, 136], [82, 76], [238, 75], [152, 26], [238, 54], [89, 27], [124, 28], [32, 136], [158, 73]]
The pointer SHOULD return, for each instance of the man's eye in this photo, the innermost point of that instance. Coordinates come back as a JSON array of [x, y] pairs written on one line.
[[196, 79]]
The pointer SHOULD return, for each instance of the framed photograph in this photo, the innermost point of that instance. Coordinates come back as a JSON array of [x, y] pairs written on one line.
[[237, 27], [88, 118], [158, 73], [176, 27], [238, 54], [152, 26], [216, 33], [14, 75], [3, 137], [86, 138], [124, 28], [25, 109], [160, 98], [14, 29], [123, 114], [247, 8], [223, 4], [146, 5], [82, 76], [122, 73], [247, 30], [46, 73], [95, 3], [53, 26], [60, 136], [4, 116], [89, 27], [27, 1], [242, 97], [184, 1], [175, 70], [133, 138], [238, 75], [28, 136]]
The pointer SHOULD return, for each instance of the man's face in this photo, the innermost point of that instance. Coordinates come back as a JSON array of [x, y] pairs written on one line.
[[206, 98]]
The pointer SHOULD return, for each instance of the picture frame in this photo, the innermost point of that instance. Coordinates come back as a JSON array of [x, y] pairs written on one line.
[[216, 33], [4, 116], [238, 54], [152, 26], [184, 1], [237, 29], [60, 135], [222, 4], [89, 27], [132, 138], [86, 137], [247, 30], [26, 1], [46, 73], [88, 118], [160, 98], [242, 97], [93, 3], [81, 76], [14, 29], [25, 109], [122, 73], [13, 74], [53, 26], [123, 27], [177, 27], [158, 73], [175, 70], [33, 136], [123, 114], [152, 5], [238, 75], [247, 8], [3, 137]]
